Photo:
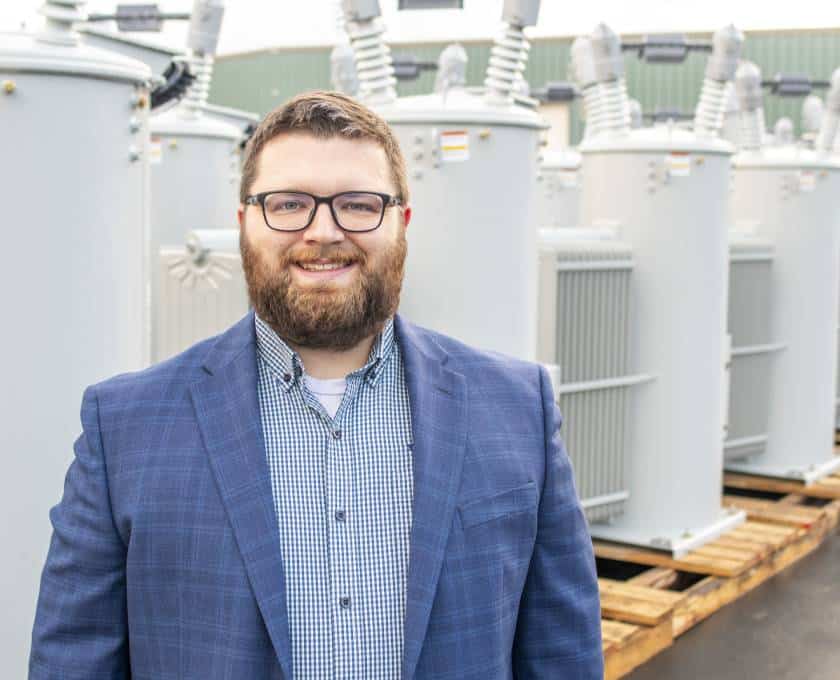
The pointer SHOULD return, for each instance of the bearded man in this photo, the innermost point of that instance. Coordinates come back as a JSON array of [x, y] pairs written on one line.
[[324, 490]]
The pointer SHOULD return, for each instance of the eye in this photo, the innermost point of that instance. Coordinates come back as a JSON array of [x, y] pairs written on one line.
[[286, 203], [359, 207]]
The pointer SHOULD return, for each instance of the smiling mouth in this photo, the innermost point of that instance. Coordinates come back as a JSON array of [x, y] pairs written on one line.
[[323, 266], [323, 270]]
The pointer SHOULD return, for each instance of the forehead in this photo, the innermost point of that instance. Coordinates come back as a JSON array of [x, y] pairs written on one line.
[[299, 160]]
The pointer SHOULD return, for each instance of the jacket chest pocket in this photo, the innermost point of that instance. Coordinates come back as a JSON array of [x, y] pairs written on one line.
[[504, 504]]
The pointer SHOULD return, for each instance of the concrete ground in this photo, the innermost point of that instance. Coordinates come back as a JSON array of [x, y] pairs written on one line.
[[786, 629]]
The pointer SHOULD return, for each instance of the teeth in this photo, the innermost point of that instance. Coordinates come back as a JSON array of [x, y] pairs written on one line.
[[314, 267]]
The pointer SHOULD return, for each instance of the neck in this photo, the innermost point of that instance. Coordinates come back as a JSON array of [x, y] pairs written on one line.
[[327, 364]]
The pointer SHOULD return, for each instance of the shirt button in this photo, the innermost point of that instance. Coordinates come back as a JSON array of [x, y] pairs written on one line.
[[344, 602], [340, 515], [336, 434], [287, 377]]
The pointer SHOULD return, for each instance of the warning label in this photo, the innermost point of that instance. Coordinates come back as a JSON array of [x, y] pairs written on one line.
[[678, 164], [155, 150], [454, 146]]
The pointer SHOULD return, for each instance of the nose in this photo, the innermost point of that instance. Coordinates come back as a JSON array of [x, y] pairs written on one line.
[[323, 228]]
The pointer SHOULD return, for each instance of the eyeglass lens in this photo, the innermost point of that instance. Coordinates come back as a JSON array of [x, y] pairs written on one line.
[[354, 211]]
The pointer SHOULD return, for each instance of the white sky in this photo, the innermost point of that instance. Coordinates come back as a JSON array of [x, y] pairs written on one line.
[[259, 24]]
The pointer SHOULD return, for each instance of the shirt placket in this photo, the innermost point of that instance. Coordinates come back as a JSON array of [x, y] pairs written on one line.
[[342, 532]]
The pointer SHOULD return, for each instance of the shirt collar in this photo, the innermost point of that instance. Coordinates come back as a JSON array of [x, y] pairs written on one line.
[[287, 365]]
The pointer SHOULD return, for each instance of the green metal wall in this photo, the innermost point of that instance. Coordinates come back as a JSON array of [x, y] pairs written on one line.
[[259, 81]]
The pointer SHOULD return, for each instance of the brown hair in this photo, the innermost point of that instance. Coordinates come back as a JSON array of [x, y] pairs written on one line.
[[324, 114]]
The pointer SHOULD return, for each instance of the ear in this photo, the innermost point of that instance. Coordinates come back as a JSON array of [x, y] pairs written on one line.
[[240, 216], [406, 211]]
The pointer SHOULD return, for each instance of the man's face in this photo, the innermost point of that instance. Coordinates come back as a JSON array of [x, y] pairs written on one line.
[[328, 308]]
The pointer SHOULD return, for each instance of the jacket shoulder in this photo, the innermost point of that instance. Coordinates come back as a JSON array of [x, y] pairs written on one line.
[[161, 380], [486, 368]]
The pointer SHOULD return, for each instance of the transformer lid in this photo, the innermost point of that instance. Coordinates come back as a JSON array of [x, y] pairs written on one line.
[[26, 53], [583, 243], [560, 159], [182, 121], [458, 106], [657, 139], [155, 55], [745, 243], [788, 157]]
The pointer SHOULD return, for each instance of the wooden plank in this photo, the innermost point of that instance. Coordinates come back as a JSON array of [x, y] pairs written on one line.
[[731, 554], [697, 564], [636, 604], [822, 489], [792, 499], [775, 512], [633, 647], [711, 593], [655, 577]]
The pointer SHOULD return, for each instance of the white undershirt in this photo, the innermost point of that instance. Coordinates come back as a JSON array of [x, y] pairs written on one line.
[[328, 392]]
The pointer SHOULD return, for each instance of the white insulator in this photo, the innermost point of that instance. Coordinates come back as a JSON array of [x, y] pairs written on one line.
[[614, 109], [750, 97], [452, 68], [343, 75], [592, 110], [583, 68], [752, 129], [199, 90], [831, 116], [506, 67], [711, 110], [783, 132], [60, 15], [720, 69], [205, 26], [374, 65], [812, 113]]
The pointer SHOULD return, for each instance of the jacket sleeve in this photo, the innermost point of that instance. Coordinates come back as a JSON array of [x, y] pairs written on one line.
[[80, 626], [558, 632]]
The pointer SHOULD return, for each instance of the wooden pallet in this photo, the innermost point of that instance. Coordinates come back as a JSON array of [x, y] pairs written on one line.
[[683, 592], [636, 624], [828, 487], [729, 555]]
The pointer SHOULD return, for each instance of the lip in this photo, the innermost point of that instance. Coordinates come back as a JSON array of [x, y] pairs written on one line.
[[325, 275]]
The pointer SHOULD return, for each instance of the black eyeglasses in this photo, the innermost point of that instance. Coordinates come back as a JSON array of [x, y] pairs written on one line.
[[355, 211]]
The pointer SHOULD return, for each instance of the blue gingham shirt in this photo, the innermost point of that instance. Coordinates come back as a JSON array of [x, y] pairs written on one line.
[[343, 490]]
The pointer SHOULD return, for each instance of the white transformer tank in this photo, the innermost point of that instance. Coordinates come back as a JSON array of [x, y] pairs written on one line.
[[202, 288], [73, 125], [472, 169], [789, 196], [558, 195], [667, 193], [195, 161]]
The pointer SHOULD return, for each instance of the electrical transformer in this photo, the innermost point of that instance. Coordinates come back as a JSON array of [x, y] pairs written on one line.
[[73, 124], [559, 181], [472, 160], [788, 195], [195, 166], [667, 190]]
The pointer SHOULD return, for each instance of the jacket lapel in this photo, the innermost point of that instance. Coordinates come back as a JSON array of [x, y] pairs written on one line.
[[227, 408], [438, 398]]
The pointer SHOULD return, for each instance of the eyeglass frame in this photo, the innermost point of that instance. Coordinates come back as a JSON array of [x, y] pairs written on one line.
[[388, 201]]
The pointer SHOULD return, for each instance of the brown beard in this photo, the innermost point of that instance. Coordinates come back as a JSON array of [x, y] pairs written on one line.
[[324, 316]]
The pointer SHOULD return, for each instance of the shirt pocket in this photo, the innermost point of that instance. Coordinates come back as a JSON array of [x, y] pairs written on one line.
[[499, 505]]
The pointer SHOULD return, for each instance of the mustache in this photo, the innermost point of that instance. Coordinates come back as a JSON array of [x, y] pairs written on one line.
[[311, 254]]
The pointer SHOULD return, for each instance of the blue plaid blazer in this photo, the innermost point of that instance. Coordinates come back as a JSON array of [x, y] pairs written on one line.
[[165, 557]]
